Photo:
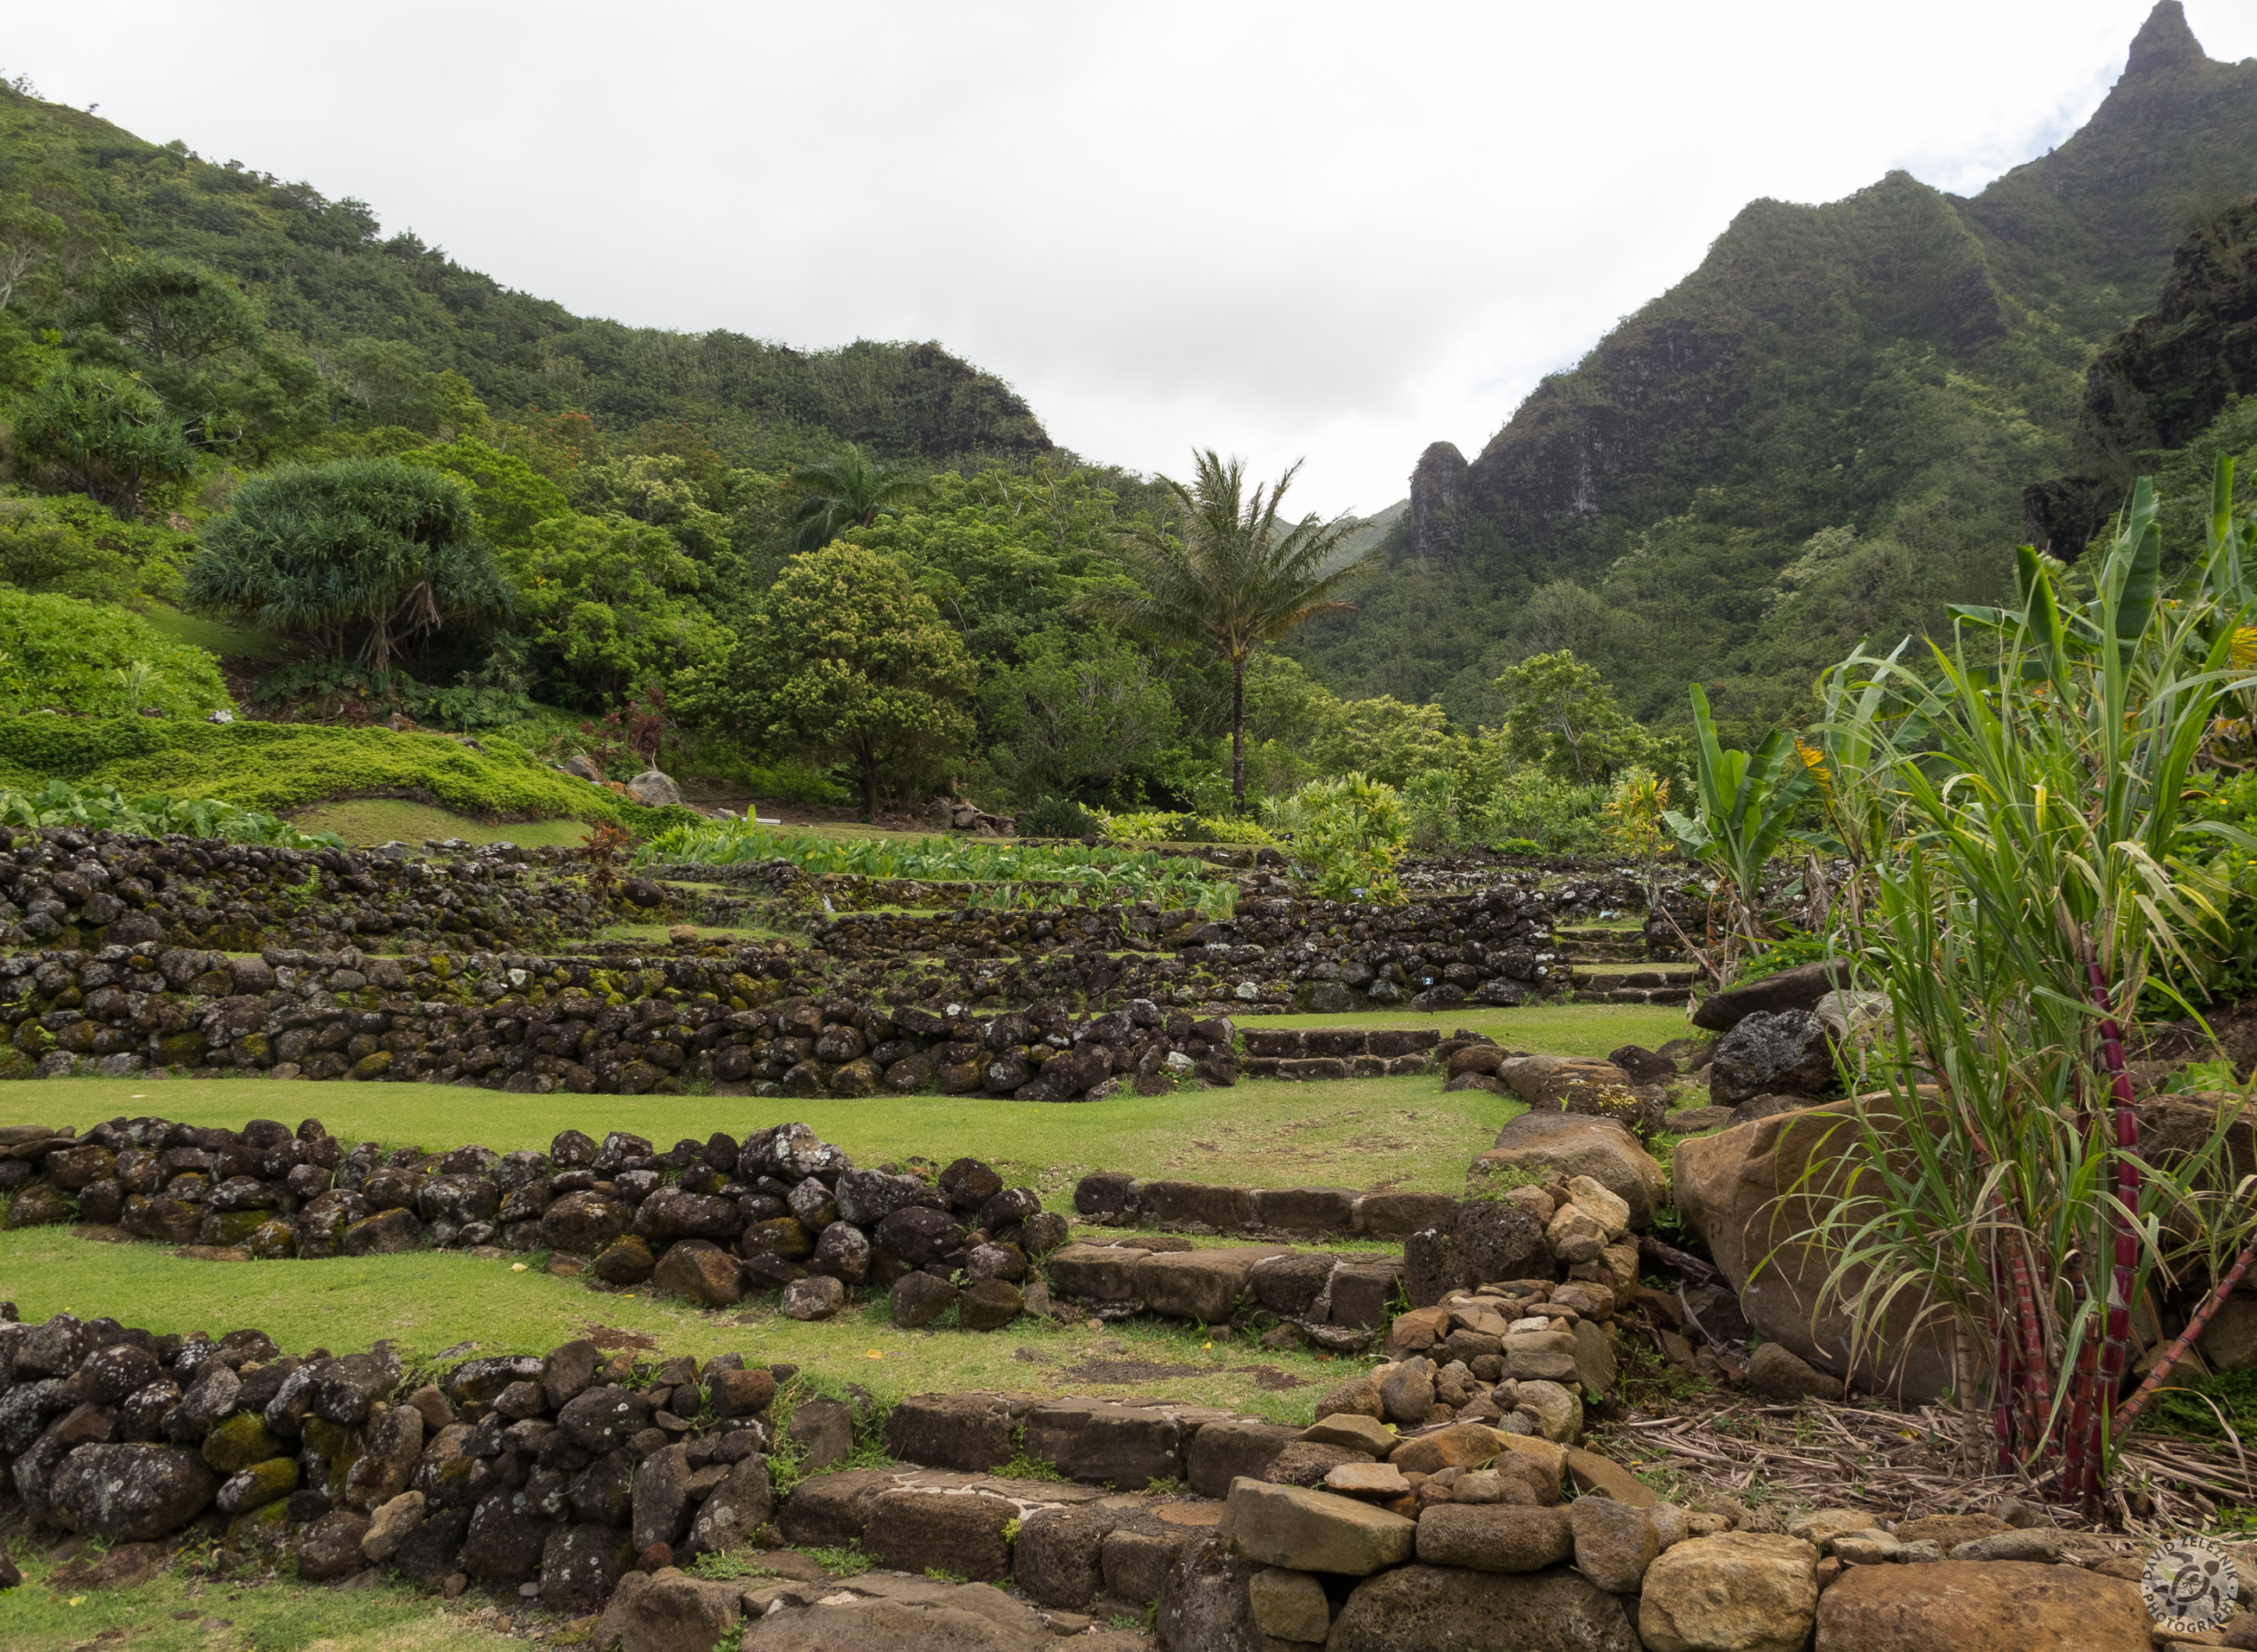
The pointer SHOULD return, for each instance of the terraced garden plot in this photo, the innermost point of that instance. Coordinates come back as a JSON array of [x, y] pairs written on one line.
[[428, 1301], [1392, 1133]]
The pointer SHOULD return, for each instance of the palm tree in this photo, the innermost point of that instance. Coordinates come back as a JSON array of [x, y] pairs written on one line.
[[1232, 579], [847, 489]]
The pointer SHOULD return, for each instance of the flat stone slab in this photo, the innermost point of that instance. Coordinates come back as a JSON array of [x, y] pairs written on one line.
[[1313, 1531]]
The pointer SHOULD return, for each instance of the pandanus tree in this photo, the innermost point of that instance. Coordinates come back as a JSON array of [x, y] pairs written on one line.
[[1232, 576], [2033, 872], [847, 489], [359, 557]]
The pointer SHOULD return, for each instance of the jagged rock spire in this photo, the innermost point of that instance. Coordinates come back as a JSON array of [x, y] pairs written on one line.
[[2164, 41]]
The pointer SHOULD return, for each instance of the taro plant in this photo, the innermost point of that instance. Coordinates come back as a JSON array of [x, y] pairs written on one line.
[[2030, 871]]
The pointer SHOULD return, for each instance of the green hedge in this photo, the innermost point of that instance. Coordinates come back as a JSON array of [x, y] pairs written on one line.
[[278, 766]]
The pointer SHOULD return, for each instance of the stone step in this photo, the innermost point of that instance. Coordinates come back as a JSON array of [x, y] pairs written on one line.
[[1635, 995], [1683, 975]]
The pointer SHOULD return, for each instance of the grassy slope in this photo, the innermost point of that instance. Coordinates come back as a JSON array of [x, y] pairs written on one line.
[[215, 636]]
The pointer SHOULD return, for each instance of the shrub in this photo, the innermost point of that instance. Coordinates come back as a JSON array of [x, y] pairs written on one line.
[[1558, 818], [1058, 817], [1349, 832], [1143, 826], [58, 652], [72, 546], [362, 556]]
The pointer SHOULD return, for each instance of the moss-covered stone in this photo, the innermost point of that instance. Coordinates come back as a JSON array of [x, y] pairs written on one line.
[[239, 1442]]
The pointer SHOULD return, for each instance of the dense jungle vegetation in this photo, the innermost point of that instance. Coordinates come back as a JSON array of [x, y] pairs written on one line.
[[242, 421]]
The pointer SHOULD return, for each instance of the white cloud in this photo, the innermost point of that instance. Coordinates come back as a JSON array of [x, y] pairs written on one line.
[[1277, 229]]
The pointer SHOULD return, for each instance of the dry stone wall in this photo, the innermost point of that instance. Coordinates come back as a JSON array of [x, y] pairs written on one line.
[[75, 890], [710, 1221], [529, 1023], [544, 1476]]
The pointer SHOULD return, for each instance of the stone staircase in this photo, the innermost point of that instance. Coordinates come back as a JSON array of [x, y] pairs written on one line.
[[1609, 965]]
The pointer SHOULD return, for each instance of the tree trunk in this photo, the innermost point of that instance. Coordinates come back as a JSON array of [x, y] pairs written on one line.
[[1238, 735], [869, 768]]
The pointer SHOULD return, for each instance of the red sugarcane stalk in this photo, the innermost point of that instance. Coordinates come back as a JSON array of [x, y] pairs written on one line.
[[2072, 1454], [2116, 1352], [2076, 1460], [2002, 1407], [2128, 1413], [2031, 1394]]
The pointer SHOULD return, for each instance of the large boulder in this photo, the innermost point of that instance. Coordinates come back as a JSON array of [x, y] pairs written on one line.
[[1747, 1591], [1750, 1192], [1564, 1146], [130, 1493], [1551, 1610], [877, 1613], [654, 790], [2000, 1605], [1485, 1240], [1308, 1530], [1782, 1052], [1797, 989]]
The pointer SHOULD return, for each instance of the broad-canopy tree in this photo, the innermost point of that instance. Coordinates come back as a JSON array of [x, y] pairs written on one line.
[[168, 313], [361, 556], [94, 431], [1232, 577], [608, 605], [1560, 716], [1076, 715], [846, 490], [844, 660]]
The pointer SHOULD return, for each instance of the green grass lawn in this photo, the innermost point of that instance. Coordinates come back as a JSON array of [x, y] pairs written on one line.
[[1367, 1134], [1549, 1029], [386, 820]]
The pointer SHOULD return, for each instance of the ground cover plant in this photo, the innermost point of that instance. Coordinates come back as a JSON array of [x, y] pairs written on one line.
[[106, 808], [278, 768]]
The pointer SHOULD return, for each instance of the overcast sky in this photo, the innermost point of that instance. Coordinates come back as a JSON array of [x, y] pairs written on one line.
[[1279, 229]]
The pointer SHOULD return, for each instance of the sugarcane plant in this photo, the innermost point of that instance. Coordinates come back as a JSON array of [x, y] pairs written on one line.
[[2029, 872]]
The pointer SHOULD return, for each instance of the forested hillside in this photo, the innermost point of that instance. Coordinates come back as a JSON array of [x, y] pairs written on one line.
[[1825, 431], [376, 312]]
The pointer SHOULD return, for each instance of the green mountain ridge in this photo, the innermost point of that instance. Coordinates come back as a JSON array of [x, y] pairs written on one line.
[[76, 191], [1825, 433]]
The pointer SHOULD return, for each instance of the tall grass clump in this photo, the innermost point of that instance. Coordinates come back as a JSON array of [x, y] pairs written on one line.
[[2023, 870]]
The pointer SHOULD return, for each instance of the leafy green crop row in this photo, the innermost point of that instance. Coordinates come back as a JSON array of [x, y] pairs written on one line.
[[1069, 870]]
